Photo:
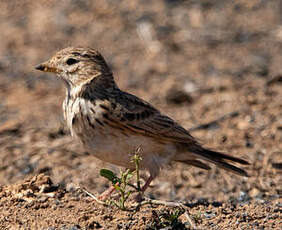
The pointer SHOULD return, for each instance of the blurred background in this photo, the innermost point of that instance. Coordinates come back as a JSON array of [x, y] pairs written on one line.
[[213, 65]]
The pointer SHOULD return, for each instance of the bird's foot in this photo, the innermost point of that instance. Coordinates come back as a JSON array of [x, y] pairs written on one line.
[[139, 197]]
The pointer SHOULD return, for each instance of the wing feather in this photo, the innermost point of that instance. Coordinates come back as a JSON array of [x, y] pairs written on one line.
[[138, 115]]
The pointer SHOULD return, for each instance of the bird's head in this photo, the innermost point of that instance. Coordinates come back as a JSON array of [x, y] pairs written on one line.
[[77, 66]]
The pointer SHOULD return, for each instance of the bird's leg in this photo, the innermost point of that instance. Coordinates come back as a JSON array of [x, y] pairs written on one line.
[[139, 197], [147, 183], [107, 193]]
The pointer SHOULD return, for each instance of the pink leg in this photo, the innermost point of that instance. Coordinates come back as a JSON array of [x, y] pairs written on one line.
[[147, 183], [106, 194], [139, 197]]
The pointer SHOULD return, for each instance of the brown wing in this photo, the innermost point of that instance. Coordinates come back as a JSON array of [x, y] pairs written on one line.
[[138, 115]]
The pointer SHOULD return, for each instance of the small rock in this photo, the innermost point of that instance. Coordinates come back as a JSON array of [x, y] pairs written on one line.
[[277, 165], [275, 80], [94, 225], [190, 87], [70, 187], [51, 228], [75, 227], [254, 192], [243, 125], [216, 204], [42, 199], [243, 197], [209, 215], [177, 96]]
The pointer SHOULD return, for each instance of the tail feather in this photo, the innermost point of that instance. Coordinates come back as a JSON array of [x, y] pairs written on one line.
[[196, 163], [219, 159], [232, 168], [219, 155]]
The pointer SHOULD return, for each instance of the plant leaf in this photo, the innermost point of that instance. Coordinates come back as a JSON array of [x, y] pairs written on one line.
[[128, 194], [109, 175], [129, 175], [118, 188]]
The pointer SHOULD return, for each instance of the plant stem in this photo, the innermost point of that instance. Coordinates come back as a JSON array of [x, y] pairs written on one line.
[[137, 159]]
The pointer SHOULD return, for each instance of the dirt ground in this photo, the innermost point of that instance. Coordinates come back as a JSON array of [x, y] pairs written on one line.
[[214, 66]]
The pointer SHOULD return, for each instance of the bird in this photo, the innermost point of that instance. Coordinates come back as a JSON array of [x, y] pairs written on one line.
[[112, 123]]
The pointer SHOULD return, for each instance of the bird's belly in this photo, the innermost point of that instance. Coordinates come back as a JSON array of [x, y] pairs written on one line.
[[117, 148]]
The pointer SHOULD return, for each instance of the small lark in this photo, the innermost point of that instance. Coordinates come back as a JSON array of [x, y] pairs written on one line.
[[111, 123]]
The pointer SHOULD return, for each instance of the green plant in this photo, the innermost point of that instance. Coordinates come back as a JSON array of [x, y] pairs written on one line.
[[122, 184], [197, 217], [167, 219]]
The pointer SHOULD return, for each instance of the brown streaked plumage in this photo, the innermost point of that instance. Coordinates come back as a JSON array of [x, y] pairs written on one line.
[[112, 123]]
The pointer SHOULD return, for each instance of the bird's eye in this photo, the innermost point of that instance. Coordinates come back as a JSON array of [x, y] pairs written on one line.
[[72, 61]]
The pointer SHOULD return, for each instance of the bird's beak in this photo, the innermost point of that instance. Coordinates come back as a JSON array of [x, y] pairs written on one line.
[[46, 67]]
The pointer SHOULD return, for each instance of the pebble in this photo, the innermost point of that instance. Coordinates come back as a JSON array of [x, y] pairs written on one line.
[[75, 227], [176, 96], [243, 197], [209, 215], [254, 192]]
